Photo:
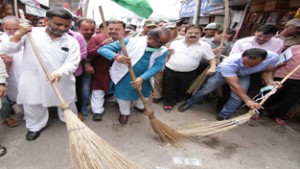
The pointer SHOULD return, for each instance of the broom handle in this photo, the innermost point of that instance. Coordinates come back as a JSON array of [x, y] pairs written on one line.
[[132, 74], [16, 8], [282, 81], [38, 56], [226, 5], [103, 22]]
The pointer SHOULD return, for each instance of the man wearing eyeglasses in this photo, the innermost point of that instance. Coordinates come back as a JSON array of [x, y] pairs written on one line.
[[147, 57]]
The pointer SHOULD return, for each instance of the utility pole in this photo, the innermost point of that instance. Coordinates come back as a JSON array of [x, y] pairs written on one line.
[[197, 12]]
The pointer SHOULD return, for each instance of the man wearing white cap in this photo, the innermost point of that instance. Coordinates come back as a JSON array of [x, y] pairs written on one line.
[[291, 33]]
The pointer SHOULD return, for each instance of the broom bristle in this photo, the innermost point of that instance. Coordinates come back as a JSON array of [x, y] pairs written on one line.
[[198, 82], [208, 129], [89, 151], [166, 133]]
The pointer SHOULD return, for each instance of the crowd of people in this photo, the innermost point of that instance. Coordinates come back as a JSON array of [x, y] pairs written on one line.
[[87, 65]]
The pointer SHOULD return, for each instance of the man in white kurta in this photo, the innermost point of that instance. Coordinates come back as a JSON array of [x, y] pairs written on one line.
[[13, 64], [61, 55]]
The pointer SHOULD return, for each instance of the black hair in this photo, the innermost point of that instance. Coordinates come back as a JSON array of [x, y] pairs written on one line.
[[59, 12], [231, 31], [87, 20], [268, 29], [101, 25], [134, 26], [255, 53], [118, 22], [220, 31], [156, 33], [193, 26]]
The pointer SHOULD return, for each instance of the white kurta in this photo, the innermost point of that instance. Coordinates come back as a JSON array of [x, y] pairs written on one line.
[[14, 71], [61, 56]]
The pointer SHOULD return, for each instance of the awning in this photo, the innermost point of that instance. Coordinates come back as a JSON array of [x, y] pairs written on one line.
[[33, 7], [35, 11]]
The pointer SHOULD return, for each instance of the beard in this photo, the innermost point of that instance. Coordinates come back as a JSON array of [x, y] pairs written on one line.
[[55, 32]]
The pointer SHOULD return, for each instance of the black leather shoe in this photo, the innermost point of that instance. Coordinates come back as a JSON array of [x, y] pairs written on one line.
[[184, 107], [138, 109], [97, 116], [156, 100], [219, 118], [32, 135]]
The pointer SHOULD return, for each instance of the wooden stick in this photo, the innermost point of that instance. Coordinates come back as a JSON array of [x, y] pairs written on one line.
[[132, 74], [103, 22], [225, 26], [282, 81], [16, 8]]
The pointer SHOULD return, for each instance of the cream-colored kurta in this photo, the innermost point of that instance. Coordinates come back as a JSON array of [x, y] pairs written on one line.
[[61, 56]]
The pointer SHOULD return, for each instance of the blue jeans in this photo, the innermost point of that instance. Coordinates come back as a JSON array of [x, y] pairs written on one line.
[[6, 109], [213, 83], [86, 91]]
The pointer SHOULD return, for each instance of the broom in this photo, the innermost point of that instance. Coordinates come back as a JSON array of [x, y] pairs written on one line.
[[220, 126], [165, 133], [88, 150]]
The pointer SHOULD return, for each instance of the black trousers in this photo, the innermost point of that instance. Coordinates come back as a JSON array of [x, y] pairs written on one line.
[[78, 92], [280, 103], [175, 85]]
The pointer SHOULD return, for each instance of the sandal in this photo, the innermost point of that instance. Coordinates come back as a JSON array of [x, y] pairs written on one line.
[[2, 151], [10, 122], [279, 121], [255, 117], [168, 108]]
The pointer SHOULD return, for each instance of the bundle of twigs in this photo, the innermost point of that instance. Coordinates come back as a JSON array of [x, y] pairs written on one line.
[[198, 82], [88, 150], [165, 133], [207, 129]]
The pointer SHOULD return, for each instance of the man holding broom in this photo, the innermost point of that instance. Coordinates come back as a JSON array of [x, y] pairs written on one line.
[[147, 57], [61, 55], [235, 71]]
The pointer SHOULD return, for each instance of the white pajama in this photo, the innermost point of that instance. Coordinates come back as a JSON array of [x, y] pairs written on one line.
[[37, 116], [124, 105], [97, 101]]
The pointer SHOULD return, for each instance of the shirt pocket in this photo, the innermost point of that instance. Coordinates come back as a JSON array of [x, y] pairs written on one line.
[[60, 54]]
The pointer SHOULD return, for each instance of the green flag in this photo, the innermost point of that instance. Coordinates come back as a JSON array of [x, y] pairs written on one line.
[[140, 7]]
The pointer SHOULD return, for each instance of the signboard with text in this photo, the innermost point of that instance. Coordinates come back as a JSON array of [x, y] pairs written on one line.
[[188, 8]]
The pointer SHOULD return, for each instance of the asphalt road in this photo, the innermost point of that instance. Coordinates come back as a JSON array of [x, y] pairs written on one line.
[[258, 145]]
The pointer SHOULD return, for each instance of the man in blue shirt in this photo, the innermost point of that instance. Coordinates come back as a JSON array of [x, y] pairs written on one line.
[[235, 70], [147, 57]]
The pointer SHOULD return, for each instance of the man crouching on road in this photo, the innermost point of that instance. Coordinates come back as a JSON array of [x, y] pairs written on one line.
[[235, 70], [61, 55]]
